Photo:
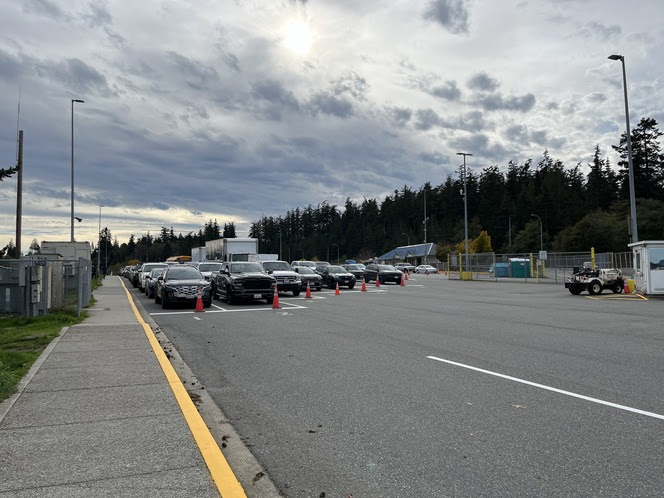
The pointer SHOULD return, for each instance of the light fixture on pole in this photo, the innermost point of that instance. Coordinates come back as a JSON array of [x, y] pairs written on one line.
[[632, 196], [72, 165], [465, 202], [541, 238]]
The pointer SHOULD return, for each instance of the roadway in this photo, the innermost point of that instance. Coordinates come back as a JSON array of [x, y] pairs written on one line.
[[439, 388]]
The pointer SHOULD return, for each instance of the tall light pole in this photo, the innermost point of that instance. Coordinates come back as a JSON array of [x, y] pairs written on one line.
[[337, 252], [407, 236], [425, 215], [541, 238], [72, 165], [99, 244], [465, 202], [632, 196]]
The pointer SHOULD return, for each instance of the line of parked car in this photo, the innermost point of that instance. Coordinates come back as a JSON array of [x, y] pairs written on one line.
[[170, 283]]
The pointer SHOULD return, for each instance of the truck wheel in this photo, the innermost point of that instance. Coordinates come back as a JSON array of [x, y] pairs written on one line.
[[574, 291], [594, 288], [229, 296], [617, 288]]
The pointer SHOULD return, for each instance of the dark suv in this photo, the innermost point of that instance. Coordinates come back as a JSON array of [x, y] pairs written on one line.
[[243, 280]]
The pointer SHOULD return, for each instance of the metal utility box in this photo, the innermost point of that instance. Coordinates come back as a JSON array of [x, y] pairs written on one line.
[[649, 266], [519, 268]]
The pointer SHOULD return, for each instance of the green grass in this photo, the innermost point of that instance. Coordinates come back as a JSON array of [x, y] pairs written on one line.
[[21, 342]]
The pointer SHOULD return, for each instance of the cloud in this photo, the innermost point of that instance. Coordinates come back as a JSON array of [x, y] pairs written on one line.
[[400, 116], [44, 8], [600, 31], [448, 91], [326, 103], [76, 75], [453, 15], [426, 119], [483, 82], [352, 84], [495, 102], [196, 75], [99, 15]]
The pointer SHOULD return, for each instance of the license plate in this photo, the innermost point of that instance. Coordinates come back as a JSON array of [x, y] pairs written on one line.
[[258, 296], [191, 297]]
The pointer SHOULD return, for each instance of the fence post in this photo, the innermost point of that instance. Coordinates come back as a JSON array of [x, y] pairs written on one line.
[[79, 292]]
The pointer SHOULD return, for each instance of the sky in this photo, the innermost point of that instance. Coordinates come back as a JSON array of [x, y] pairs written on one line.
[[233, 110]]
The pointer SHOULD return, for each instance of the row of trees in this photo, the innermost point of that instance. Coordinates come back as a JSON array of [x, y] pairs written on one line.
[[577, 211]]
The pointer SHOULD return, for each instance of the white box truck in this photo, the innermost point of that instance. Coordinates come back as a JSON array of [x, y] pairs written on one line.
[[236, 249]]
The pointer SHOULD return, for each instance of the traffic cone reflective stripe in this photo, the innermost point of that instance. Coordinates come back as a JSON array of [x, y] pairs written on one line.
[[336, 291], [308, 293], [275, 298], [199, 301]]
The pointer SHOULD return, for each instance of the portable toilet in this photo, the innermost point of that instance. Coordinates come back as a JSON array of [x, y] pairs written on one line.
[[500, 270], [649, 266], [519, 267]]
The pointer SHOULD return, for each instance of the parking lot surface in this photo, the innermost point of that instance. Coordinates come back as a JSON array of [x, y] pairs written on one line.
[[438, 388]]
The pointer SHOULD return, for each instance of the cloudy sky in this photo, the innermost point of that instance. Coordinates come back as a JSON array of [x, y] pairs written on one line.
[[196, 110]]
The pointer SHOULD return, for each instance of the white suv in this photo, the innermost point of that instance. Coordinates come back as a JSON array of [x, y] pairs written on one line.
[[145, 271], [287, 279]]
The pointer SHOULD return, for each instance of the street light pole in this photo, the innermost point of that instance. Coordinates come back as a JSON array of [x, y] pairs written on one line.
[[632, 196], [465, 202], [540, 223], [407, 236], [72, 165]]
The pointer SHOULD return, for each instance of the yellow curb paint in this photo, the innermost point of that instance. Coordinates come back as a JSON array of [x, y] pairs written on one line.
[[222, 474]]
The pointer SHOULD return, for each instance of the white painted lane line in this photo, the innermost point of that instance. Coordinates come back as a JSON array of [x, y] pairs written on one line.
[[284, 305], [554, 389]]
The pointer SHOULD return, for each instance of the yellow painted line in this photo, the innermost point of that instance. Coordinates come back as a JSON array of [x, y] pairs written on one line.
[[222, 474], [618, 297]]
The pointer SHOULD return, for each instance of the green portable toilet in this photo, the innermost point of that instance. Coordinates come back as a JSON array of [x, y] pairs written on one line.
[[519, 267]]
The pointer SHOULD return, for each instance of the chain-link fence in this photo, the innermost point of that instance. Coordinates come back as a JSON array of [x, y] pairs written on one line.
[[556, 267], [34, 286]]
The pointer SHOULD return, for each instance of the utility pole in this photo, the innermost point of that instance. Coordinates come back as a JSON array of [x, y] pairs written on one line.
[[19, 194]]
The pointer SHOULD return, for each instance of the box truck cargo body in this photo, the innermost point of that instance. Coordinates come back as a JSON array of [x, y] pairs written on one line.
[[224, 249]]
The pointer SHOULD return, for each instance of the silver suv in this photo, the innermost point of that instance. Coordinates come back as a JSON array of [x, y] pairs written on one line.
[[287, 279]]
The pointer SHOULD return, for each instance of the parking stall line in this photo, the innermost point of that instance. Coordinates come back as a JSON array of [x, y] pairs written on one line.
[[553, 389]]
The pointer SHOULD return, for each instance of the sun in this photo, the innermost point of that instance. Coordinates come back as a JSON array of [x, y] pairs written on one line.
[[297, 37]]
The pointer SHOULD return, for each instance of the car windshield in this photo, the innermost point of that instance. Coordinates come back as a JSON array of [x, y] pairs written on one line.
[[184, 274], [305, 270], [386, 267], [156, 272], [209, 267], [354, 267], [335, 269], [276, 265], [248, 267]]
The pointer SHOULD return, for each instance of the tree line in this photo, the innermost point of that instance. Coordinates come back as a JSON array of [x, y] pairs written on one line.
[[577, 211]]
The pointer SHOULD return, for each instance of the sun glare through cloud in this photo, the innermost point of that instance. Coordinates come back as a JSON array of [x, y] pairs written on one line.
[[297, 37]]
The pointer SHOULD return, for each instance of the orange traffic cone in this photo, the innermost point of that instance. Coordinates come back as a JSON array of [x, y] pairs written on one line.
[[406, 275], [275, 298], [364, 285], [308, 293], [199, 301], [626, 288], [377, 281], [336, 291], [403, 281]]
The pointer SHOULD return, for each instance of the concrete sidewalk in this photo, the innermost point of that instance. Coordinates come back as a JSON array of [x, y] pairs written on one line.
[[96, 416]]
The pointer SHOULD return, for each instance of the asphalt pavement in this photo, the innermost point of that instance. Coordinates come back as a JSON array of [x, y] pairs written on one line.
[[99, 415]]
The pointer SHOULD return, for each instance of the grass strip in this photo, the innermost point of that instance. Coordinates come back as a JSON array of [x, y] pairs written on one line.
[[22, 340]]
